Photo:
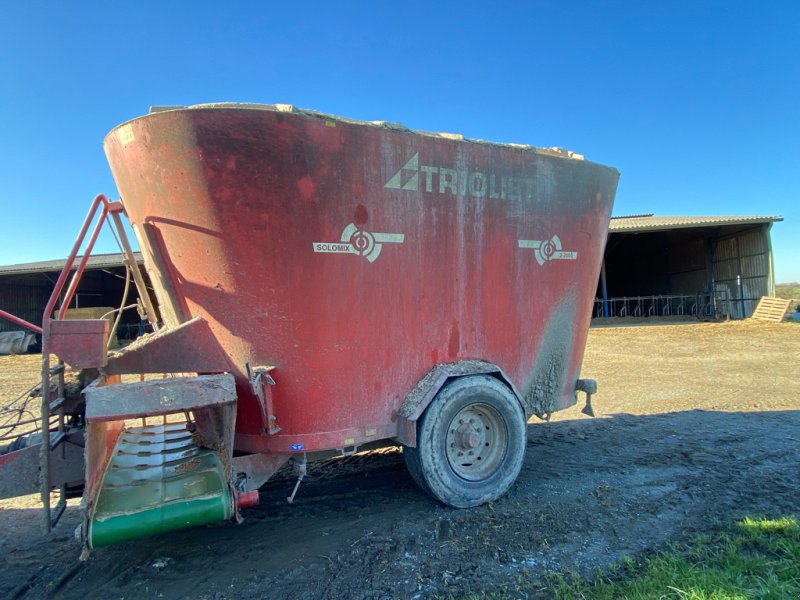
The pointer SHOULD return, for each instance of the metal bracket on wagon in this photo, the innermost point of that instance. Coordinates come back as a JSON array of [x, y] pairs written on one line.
[[260, 382], [420, 397], [589, 387]]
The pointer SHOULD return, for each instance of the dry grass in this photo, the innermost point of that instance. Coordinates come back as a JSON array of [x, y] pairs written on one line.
[[733, 366], [18, 374]]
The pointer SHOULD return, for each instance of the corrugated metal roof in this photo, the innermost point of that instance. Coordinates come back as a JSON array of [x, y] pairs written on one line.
[[651, 223], [96, 261], [633, 216]]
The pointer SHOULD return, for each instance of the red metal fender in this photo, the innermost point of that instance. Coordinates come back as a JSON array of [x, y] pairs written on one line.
[[423, 393]]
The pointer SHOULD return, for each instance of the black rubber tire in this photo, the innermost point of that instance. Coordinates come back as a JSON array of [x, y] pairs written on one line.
[[429, 463], [414, 466]]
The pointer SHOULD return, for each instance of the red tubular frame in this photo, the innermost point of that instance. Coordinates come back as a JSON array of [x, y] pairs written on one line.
[[21, 322], [73, 284], [51, 304]]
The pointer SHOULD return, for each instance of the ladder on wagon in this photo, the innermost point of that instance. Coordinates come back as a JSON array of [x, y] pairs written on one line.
[[56, 332]]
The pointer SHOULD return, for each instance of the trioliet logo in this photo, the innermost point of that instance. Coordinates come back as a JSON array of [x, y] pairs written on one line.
[[416, 177]]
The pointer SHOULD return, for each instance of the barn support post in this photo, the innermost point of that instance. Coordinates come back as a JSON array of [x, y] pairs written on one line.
[[739, 289], [604, 287], [770, 261], [710, 243], [710, 285]]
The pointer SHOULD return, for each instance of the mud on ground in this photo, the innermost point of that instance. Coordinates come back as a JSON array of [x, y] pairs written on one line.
[[697, 424]]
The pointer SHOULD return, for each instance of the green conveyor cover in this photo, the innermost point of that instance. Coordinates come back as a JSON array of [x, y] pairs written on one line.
[[158, 480]]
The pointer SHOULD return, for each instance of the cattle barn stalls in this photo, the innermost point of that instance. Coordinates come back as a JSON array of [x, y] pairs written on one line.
[[703, 266], [26, 288]]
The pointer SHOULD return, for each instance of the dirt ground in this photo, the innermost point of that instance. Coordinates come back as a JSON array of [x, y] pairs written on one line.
[[697, 424]]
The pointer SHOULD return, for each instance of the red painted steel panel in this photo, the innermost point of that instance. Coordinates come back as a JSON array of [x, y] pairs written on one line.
[[354, 257], [81, 343]]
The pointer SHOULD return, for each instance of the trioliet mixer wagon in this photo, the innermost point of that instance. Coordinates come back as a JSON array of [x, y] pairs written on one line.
[[320, 285]]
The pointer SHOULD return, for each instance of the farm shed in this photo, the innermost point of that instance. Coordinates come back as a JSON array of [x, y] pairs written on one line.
[[703, 266], [25, 289]]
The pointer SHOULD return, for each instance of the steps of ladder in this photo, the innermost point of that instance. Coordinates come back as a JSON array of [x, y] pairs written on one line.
[[56, 438]]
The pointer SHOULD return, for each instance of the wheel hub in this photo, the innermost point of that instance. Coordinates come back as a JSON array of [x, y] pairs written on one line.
[[476, 442], [467, 438]]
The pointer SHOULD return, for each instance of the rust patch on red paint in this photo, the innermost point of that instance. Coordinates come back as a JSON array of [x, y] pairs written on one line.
[[454, 344], [361, 215], [306, 188]]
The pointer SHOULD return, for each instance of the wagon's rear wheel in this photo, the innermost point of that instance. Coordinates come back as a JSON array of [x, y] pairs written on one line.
[[470, 442]]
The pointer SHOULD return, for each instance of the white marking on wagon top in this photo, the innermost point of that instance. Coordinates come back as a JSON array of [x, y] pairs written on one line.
[[125, 134], [544, 250], [360, 242], [461, 182]]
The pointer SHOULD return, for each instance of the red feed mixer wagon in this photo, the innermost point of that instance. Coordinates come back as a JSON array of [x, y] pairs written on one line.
[[319, 286]]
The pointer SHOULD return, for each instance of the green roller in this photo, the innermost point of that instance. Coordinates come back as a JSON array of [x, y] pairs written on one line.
[[157, 481]]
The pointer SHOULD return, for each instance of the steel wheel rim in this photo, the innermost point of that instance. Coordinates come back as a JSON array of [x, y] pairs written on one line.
[[476, 443]]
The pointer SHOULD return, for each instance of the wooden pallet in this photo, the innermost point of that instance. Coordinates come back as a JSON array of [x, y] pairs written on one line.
[[771, 309]]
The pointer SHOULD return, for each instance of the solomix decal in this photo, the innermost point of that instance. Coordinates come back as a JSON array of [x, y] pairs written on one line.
[[416, 177], [360, 242], [545, 250]]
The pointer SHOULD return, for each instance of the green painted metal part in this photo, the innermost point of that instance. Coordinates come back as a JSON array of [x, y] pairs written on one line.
[[158, 480]]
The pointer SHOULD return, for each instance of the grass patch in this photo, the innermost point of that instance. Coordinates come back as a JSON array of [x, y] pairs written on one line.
[[758, 558]]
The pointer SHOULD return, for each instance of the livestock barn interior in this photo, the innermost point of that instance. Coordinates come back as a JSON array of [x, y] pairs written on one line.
[[715, 267]]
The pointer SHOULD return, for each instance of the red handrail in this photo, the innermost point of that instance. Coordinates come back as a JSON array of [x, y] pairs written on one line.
[[51, 304], [73, 284], [20, 322]]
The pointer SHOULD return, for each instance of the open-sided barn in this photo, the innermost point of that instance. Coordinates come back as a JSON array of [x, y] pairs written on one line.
[[704, 266]]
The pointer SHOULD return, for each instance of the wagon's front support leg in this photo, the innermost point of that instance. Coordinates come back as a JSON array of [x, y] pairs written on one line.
[[589, 387]]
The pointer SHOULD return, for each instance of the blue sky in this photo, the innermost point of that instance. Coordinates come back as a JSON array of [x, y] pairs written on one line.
[[696, 103]]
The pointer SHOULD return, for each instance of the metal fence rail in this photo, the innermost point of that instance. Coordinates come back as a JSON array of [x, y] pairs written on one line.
[[717, 305]]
